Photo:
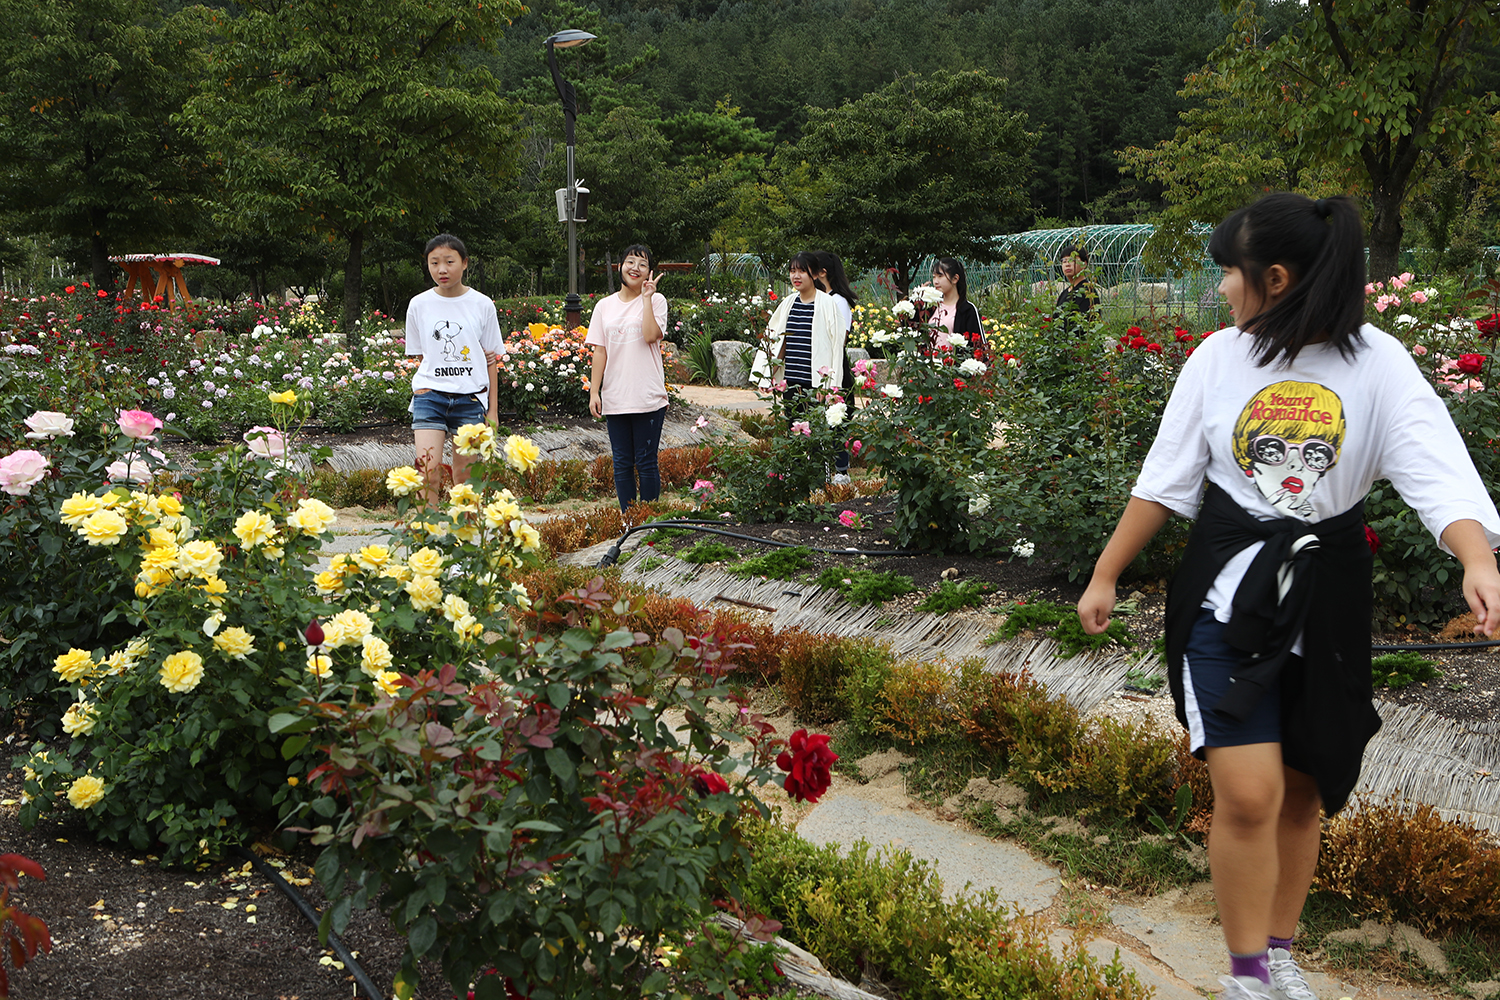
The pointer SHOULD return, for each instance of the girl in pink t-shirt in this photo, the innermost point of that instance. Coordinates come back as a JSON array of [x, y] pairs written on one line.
[[628, 385]]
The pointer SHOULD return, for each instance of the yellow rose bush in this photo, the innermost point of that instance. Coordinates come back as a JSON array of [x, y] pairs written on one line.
[[178, 733]]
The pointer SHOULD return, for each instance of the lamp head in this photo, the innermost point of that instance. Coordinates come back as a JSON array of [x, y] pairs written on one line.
[[570, 38]]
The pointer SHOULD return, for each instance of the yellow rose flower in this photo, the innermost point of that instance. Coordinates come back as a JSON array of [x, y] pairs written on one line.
[[527, 537], [312, 516], [215, 588], [286, 398], [160, 538], [396, 571], [520, 453], [426, 562], [454, 607], [169, 504], [468, 627], [181, 671], [136, 650], [150, 582], [74, 665], [86, 791], [373, 557], [500, 513], [273, 552], [79, 719], [235, 643], [389, 682], [329, 582], [201, 559], [403, 481], [522, 598], [103, 527], [162, 557], [78, 507], [467, 533], [376, 655], [424, 592], [462, 496], [212, 622], [346, 628], [319, 664], [254, 528], [475, 439], [117, 663]]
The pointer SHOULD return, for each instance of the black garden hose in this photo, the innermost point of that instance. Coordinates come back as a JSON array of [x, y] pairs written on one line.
[[705, 527], [274, 877]]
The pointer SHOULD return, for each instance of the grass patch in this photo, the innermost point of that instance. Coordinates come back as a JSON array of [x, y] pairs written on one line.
[[1397, 670], [865, 586], [952, 595], [1059, 623], [709, 552], [778, 564]]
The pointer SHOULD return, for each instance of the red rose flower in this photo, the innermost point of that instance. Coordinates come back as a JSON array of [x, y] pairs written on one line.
[[314, 633], [1182, 335], [1133, 332], [1489, 326], [1471, 364], [707, 783], [1372, 540], [102, 294], [1154, 348], [70, 289], [958, 383], [807, 763], [1138, 342]]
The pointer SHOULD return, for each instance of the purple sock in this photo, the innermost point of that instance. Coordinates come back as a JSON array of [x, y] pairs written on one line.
[[1285, 944], [1256, 966]]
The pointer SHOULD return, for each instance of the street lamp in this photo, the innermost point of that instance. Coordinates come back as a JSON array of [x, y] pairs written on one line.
[[566, 39]]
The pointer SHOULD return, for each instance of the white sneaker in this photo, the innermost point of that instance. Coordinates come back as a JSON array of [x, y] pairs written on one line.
[[1287, 982], [1243, 988], [840, 479]]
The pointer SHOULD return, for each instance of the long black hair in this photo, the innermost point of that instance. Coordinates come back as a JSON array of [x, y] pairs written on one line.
[[836, 280], [805, 261], [1322, 244], [955, 272]]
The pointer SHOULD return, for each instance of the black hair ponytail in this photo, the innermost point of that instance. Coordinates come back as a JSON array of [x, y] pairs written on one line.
[[1321, 243], [955, 271]]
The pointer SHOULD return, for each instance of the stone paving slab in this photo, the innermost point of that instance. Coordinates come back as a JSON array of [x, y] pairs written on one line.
[[1103, 950], [959, 857]]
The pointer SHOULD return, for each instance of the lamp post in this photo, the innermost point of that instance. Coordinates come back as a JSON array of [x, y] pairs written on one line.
[[566, 39]]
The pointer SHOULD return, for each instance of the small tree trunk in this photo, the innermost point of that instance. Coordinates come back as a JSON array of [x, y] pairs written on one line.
[[1385, 236], [353, 295], [101, 270]]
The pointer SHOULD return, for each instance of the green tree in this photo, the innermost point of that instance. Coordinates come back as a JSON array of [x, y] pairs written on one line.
[[1369, 95], [924, 165], [348, 117], [88, 149]]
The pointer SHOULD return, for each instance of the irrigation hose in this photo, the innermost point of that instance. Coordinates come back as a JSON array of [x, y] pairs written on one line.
[[305, 908], [703, 526]]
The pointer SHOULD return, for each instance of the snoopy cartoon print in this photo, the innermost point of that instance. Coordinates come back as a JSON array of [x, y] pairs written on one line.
[[447, 332], [1287, 439]]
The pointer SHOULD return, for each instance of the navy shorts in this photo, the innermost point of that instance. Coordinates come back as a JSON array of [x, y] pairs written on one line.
[[1207, 665], [445, 411]]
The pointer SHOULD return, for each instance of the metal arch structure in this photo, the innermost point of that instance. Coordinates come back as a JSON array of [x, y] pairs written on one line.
[[1031, 259]]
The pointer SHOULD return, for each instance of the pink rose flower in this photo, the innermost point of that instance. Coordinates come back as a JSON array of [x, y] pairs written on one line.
[[802, 427], [138, 424], [267, 442], [21, 470], [1418, 296], [1418, 350]]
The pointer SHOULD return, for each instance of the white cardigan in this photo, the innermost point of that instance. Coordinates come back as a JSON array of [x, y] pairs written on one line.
[[827, 341]]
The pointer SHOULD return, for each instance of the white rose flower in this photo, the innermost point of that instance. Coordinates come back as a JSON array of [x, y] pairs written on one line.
[[836, 414], [973, 367], [1023, 548], [892, 390], [49, 424], [979, 504], [903, 308], [957, 340], [927, 295]]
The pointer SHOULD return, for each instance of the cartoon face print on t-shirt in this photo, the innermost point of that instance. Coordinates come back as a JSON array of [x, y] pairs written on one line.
[[1286, 439], [446, 332]]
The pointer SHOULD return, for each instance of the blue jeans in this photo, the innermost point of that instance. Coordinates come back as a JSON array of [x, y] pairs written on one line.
[[434, 410], [634, 439]]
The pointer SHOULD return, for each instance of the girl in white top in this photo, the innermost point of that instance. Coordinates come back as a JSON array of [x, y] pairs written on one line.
[[627, 386], [456, 332], [831, 278], [1290, 416]]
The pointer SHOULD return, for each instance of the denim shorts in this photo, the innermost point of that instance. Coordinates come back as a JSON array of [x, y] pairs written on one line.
[[434, 410], [1207, 664]]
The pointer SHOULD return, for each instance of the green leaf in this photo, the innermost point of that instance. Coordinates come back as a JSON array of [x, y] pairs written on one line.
[[292, 745], [421, 936]]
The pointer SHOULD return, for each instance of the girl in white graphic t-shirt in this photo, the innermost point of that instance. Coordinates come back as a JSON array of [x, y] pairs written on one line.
[[456, 331], [1290, 416], [627, 386]]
